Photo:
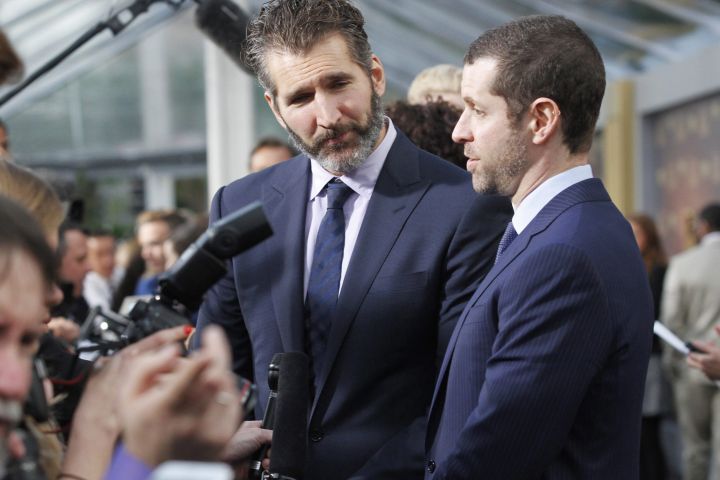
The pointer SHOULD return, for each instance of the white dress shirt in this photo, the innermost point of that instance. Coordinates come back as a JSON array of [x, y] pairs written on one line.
[[362, 182], [546, 191]]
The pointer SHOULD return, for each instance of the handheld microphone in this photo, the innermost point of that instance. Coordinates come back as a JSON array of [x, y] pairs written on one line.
[[224, 23], [289, 442], [268, 421]]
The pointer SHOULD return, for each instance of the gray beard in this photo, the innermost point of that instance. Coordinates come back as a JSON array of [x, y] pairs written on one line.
[[368, 136]]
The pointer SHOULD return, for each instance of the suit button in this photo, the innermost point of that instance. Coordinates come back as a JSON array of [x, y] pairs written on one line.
[[431, 466], [316, 435]]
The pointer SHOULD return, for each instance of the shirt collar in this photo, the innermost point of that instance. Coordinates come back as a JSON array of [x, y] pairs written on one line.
[[712, 237], [541, 196], [361, 181]]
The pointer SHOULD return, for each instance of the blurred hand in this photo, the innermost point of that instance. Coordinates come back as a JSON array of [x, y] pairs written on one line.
[[63, 328], [180, 408], [246, 441], [709, 361], [96, 425]]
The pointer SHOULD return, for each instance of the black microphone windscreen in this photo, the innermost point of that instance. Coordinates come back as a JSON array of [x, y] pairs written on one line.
[[289, 442], [225, 24]]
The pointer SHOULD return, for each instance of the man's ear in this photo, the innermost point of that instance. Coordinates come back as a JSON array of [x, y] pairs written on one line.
[[377, 75], [544, 120], [272, 103]]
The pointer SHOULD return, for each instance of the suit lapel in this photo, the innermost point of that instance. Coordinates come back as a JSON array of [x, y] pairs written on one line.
[[587, 190], [285, 201], [398, 189]]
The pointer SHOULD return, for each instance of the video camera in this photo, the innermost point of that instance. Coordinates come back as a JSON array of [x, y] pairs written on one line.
[[182, 287]]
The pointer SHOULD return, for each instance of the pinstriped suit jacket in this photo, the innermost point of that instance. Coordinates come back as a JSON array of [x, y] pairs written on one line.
[[544, 373]]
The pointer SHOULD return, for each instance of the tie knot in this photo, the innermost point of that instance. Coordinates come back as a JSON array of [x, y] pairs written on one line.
[[337, 193]]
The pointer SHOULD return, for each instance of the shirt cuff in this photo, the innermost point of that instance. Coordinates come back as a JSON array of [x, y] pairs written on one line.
[[125, 466]]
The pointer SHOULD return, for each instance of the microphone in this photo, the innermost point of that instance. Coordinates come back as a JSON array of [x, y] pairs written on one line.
[[289, 442], [224, 23], [268, 421]]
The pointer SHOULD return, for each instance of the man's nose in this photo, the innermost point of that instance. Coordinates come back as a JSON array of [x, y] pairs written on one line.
[[14, 374], [462, 132], [328, 111]]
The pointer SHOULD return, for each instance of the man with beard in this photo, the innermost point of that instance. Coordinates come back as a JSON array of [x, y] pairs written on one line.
[[377, 245], [544, 374]]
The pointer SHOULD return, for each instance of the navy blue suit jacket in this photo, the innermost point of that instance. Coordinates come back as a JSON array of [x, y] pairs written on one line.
[[543, 377], [426, 240]]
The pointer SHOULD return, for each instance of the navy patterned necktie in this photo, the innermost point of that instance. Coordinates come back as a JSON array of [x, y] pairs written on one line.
[[324, 282], [507, 238]]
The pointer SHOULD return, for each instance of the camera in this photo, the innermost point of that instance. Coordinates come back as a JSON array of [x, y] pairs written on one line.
[[181, 289]]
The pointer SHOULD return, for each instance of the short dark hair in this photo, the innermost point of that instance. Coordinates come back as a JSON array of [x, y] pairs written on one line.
[[547, 56], [295, 26], [68, 226], [710, 214], [19, 231], [430, 126], [184, 236], [173, 218], [272, 142]]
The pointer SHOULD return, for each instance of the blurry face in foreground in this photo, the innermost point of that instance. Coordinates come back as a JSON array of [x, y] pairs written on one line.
[[24, 306]]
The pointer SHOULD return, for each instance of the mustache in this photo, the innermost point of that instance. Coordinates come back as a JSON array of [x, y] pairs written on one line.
[[10, 411], [335, 131]]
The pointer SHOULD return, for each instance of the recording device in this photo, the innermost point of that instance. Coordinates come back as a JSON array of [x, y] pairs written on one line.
[[225, 24], [289, 381], [268, 421], [182, 287]]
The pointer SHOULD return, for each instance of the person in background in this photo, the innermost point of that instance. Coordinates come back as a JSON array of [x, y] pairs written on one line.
[[129, 268], [98, 286], [74, 266], [657, 399], [441, 82], [268, 152], [153, 228], [429, 126], [691, 308]]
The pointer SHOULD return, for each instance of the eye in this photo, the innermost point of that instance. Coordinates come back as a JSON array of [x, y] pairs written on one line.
[[340, 84], [300, 99], [30, 340]]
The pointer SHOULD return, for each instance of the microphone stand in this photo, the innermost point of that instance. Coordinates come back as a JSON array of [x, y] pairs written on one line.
[[115, 24]]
